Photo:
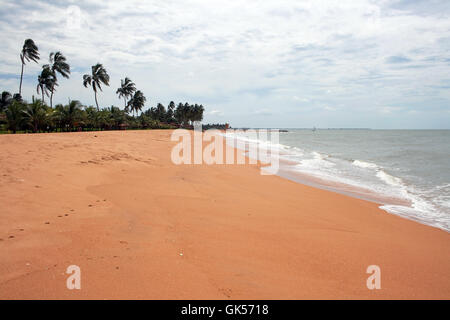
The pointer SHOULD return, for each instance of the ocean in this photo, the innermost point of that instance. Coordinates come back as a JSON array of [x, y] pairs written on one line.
[[407, 171]]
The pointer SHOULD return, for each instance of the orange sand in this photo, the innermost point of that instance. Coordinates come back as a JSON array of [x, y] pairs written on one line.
[[141, 227]]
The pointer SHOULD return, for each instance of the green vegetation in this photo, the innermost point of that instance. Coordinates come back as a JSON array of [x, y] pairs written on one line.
[[219, 126], [17, 115]]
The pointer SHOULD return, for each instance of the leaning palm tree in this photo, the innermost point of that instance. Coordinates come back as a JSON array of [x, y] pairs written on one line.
[[29, 52], [137, 102], [98, 76], [59, 65], [126, 90], [46, 82]]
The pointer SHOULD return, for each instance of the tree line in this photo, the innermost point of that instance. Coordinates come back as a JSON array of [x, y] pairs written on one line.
[[18, 115], [38, 117]]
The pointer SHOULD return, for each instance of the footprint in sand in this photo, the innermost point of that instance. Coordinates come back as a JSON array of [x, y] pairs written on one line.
[[11, 237], [226, 291], [66, 214]]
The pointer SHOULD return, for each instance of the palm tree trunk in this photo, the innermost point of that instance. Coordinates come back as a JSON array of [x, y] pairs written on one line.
[[96, 102], [51, 98], [125, 100], [21, 76], [43, 101]]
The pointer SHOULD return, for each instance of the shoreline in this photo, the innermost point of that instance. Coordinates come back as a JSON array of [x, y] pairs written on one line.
[[141, 227], [357, 194], [388, 203]]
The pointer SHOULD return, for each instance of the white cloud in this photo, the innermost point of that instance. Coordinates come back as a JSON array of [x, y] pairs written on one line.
[[296, 98], [390, 110], [263, 112], [242, 56], [215, 113]]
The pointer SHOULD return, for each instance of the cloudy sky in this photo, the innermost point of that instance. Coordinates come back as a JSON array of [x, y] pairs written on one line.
[[346, 63]]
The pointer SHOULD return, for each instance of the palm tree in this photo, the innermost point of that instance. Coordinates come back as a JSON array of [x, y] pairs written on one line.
[[197, 112], [92, 118], [46, 81], [59, 65], [180, 114], [137, 102], [14, 115], [69, 115], [186, 113], [35, 115], [118, 116], [160, 112], [95, 79], [29, 52], [170, 110], [126, 90], [5, 100], [49, 119], [17, 97], [104, 118]]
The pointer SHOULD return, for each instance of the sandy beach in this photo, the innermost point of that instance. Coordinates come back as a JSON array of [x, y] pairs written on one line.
[[141, 227]]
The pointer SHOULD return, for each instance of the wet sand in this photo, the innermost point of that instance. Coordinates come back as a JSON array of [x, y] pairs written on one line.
[[140, 227]]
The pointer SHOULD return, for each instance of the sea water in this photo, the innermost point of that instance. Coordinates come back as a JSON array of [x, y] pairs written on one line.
[[406, 171]]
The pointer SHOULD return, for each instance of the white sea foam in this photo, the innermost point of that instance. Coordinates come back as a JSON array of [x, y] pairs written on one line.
[[425, 204], [444, 201], [389, 179], [421, 211], [318, 161], [364, 164], [444, 186]]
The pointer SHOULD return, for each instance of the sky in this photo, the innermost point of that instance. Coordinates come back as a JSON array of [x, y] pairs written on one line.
[[347, 63]]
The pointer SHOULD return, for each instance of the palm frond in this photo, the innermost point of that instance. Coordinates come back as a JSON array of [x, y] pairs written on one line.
[[126, 89], [87, 80], [46, 81], [59, 64], [29, 51]]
